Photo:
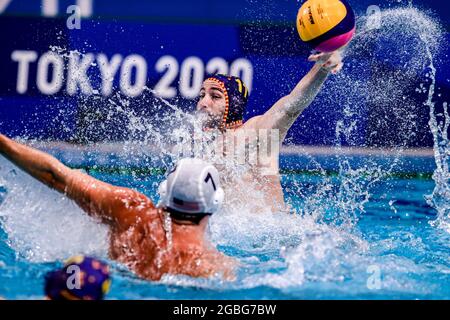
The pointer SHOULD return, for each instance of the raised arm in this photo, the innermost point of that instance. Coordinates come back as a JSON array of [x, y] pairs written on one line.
[[117, 206], [285, 111]]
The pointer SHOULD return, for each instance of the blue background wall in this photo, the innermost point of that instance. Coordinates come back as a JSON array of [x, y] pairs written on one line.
[[262, 32]]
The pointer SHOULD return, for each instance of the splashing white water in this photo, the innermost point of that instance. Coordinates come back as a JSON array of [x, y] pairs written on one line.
[[44, 226], [421, 43], [440, 198], [412, 39]]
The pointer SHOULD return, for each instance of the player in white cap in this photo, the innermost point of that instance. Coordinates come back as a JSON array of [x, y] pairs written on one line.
[[151, 241], [191, 191]]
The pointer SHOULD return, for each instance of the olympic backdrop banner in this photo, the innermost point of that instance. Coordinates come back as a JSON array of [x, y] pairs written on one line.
[[52, 75]]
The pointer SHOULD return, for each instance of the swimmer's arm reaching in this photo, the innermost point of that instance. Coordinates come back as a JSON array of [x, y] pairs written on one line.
[[38, 164], [284, 112], [115, 205]]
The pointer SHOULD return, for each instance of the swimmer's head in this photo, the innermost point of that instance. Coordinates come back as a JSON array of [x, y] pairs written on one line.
[[222, 101], [81, 278], [191, 191]]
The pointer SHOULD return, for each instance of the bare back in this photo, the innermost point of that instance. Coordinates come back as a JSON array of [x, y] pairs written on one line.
[[151, 251]]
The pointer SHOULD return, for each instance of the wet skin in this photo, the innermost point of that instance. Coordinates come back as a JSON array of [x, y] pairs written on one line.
[[259, 188], [141, 236]]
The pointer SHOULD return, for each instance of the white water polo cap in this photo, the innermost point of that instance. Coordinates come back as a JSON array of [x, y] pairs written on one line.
[[192, 187]]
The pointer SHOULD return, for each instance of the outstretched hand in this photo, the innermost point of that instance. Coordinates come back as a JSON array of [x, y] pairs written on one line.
[[332, 61]]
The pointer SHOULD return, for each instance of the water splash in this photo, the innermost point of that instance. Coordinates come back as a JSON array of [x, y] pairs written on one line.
[[301, 247], [440, 198], [411, 39], [43, 225], [416, 55]]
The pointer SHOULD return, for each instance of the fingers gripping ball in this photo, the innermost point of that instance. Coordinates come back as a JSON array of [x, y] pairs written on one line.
[[326, 25]]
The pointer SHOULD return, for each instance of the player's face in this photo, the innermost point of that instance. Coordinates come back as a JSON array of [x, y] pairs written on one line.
[[211, 104]]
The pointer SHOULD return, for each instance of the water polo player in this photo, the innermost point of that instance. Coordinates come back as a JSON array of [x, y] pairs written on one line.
[[81, 278], [151, 240], [221, 107]]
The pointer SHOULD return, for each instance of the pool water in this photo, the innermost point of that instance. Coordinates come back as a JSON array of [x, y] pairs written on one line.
[[360, 226], [337, 246]]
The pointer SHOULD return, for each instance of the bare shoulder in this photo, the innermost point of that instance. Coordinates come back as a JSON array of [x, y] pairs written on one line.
[[252, 123], [132, 199], [227, 267], [116, 205]]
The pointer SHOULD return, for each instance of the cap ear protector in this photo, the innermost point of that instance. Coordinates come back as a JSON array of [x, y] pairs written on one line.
[[219, 196]]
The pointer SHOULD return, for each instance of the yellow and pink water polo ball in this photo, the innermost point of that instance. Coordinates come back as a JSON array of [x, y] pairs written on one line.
[[326, 25]]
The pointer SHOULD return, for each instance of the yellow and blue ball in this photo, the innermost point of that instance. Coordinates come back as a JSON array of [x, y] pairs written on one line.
[[326, 25]]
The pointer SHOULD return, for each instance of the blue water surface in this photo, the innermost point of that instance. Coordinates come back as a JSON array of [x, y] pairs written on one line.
[[388, 251]]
